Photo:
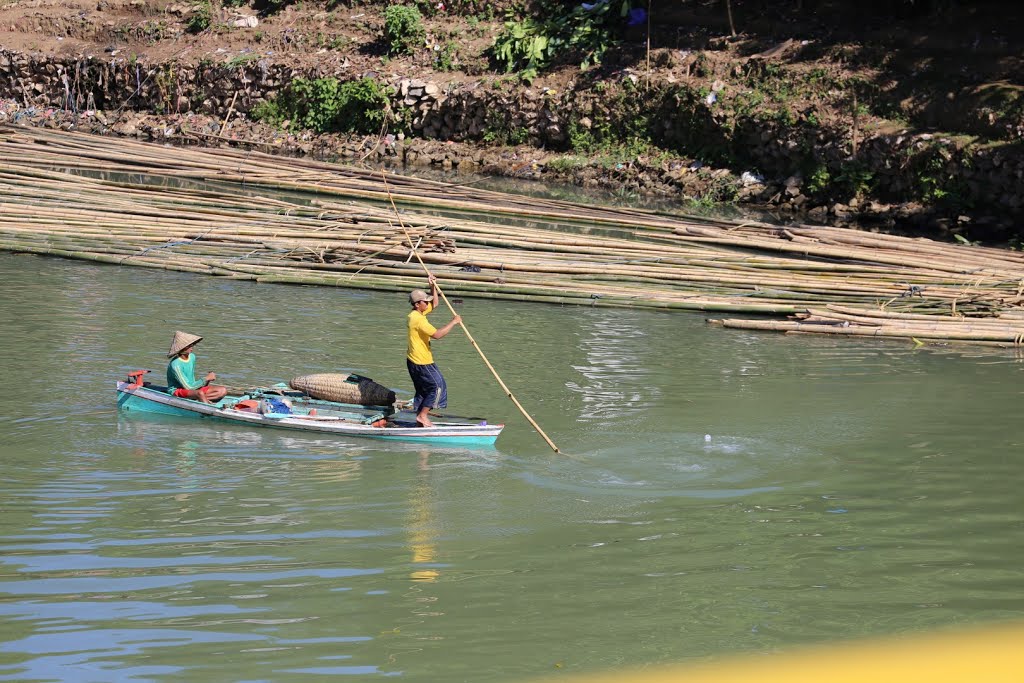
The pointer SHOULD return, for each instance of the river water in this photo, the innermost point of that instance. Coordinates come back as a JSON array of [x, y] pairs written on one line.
[[721, 491]]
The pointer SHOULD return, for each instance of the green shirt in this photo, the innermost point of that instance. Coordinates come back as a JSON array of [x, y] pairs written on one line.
[[181, 374]]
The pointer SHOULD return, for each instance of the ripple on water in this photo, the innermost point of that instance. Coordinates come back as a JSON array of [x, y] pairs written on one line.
[[674, 465], [100, 655], [141, 581]]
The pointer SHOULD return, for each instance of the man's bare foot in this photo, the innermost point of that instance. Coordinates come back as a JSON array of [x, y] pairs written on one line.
[[424, 422]]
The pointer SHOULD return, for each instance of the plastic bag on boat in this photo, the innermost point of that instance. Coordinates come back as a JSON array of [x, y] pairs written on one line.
[[275, 405]]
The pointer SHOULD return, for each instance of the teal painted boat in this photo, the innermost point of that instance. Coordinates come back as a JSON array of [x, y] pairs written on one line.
[[284, 408]]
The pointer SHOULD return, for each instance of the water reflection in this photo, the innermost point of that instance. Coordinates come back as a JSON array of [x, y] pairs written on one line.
[[423, 529], [190, 435], [617, 380]]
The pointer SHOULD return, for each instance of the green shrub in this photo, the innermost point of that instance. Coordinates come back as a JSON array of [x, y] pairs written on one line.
[[622, 131], [403, 29], [241, 60], [445, 58], [522, 46], [580, 138], [719, 190], [936, 182], [498, 131], [568, 31], [855, 179], [328, 105], [200, 19], [819, 179], [567, 164], [338, 42]]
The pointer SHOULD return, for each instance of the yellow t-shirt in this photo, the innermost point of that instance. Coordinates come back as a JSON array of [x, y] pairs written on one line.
[[420, 333]]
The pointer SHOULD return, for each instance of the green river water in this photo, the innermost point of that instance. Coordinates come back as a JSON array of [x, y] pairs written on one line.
[[721, 492]]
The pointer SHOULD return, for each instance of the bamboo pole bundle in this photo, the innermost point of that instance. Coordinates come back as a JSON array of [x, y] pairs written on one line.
[[906, 257], [998, 318], [508, 266], [265, 171], [102, 206], [937, 323]]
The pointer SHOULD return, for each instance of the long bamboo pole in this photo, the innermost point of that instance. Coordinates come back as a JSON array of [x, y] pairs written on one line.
[[501, 382]]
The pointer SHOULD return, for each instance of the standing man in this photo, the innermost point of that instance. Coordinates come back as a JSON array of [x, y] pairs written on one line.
[[431, 390], [181, 372]]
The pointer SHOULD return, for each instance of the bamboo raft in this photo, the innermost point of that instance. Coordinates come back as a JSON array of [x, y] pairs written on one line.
[[247, 215]]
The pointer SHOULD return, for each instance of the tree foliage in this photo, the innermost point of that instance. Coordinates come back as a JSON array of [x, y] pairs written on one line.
[[582, 32]]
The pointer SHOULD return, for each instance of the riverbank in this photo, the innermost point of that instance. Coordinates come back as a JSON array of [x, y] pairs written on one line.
[[764, 119]]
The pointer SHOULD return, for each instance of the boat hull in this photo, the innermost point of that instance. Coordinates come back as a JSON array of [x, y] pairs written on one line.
[[133, 398]]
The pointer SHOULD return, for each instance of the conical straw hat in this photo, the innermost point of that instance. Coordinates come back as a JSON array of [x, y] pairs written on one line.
[[181, 341]]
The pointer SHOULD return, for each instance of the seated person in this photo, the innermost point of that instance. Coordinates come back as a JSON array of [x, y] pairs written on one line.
[[181, 378]]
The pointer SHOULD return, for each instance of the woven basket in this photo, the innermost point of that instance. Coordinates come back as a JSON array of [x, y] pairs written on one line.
[[344, 389]]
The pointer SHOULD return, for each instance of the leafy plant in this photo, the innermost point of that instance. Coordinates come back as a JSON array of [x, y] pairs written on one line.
[[445, 57], [592, 32], [522, 46], [567, 164], [746, 102], [855, 178], [718, 191], [328, 105], [200, 18], [338, 42], [818, 180], [581, 139], [240, 60], [403, 29], [623, 131], [498, 131], [580, 32], [785, 117]]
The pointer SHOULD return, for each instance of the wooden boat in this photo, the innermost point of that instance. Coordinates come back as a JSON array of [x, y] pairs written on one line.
[[285, 408]]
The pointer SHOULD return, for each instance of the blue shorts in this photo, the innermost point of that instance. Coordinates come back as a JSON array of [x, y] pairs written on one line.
[[430, 386]]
